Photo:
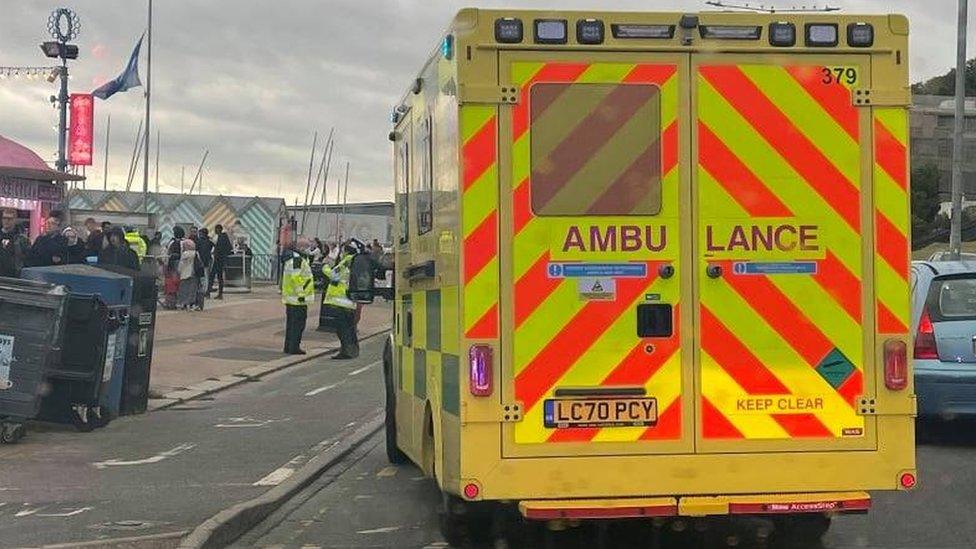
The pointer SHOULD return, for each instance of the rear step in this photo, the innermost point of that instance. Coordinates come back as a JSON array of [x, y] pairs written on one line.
[[695, 506]]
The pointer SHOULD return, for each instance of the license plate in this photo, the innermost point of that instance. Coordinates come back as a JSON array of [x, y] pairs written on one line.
[[600, 412]]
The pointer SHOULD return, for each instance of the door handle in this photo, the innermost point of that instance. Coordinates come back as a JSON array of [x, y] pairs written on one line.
[[714, 271]]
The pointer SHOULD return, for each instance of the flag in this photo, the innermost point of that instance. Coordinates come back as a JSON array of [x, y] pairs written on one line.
[[128, 79]]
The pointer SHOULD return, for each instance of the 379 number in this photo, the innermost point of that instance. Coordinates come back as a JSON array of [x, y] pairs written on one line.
[[839, 75]]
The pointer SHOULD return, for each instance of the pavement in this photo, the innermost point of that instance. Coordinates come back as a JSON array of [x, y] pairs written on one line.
[[163, 473], [366, 502], [233, 334]]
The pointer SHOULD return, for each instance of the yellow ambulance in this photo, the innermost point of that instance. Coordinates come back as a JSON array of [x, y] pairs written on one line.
[[655, 265]]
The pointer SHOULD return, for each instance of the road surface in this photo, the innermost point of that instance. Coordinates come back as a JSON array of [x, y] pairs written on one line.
[[170, 470], [369, 503]]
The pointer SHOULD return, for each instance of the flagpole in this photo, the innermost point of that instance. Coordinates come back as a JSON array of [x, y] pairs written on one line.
[[108, 132], [145, 166], [157, 161]]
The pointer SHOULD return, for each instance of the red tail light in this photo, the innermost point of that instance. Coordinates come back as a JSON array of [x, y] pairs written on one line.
[[480, 370], [925, 338], [895, 364]]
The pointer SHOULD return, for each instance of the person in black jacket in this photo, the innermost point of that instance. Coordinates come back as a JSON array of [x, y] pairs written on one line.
[[14, 246], [75, 251], [205, 248], [222, 250], [50, 248], [118, 252]]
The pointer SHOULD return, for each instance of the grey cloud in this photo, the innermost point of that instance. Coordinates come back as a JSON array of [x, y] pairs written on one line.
[[252, 79]]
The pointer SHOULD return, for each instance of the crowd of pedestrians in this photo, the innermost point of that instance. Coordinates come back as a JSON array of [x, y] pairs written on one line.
[[194, 262], [62, 244]]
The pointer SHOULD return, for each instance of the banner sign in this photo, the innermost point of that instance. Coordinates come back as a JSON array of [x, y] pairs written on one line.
[[82, 130]]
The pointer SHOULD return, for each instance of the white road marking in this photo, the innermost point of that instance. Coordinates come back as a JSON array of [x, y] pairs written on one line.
[[238, 422], [324, 388], [364, 368], [173, 452], [386, 472], [277, 476], [384, 530], [67, 513], [28, 512]]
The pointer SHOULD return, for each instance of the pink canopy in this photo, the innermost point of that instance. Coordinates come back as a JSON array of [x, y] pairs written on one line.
[[17, 160]]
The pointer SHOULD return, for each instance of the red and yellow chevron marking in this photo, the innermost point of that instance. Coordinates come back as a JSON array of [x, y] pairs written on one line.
[[559, 339], [892, 222], [781, 355], [479, 135]]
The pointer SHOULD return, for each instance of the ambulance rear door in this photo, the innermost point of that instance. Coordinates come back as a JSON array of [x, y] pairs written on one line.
[[595, 253], [782, 191]]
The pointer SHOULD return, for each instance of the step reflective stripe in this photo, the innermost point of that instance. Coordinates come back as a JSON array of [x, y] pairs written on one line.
[[814, 506], [599, 508]]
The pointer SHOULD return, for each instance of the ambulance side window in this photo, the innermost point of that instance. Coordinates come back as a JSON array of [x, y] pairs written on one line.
[[403, 186], [425, 187], [595, 149]]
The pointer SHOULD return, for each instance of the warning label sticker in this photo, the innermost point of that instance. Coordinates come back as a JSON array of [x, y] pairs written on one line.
[[6, 360], [597, 289]]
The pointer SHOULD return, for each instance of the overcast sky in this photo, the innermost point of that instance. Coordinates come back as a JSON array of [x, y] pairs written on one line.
[[251, 80]]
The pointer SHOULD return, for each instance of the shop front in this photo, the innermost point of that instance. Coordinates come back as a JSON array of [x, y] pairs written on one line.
[[29, 186]]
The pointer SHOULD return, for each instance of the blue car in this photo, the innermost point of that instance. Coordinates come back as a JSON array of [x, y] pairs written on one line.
[[944, 324]]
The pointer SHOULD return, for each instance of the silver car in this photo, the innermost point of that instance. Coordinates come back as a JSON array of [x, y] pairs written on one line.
[[944, 324]]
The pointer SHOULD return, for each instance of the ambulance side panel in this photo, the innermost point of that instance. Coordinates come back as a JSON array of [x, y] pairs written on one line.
[[426, 354]]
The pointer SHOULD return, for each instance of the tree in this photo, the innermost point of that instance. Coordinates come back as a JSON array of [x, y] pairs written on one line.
[[925, 199], [946, 84]]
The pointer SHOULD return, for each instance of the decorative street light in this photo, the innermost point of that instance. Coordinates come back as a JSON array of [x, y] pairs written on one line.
[[64, 26]]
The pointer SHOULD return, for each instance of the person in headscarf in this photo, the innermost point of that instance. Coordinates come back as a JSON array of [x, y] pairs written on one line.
[[170, 268], [189, 268]]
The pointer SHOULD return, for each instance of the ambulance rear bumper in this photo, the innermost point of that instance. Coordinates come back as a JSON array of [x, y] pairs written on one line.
[[696, 506]]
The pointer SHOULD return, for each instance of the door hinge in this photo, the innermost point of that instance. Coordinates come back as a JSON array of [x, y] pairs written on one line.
[[485, 412], [891, 406], [882, 97], [508, 94]]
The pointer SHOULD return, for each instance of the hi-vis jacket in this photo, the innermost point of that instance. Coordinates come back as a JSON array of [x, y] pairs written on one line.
[[335, 294], [297, 285], [137, 244]]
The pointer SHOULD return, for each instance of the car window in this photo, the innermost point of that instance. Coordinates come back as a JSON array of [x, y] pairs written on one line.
[[954, 298]]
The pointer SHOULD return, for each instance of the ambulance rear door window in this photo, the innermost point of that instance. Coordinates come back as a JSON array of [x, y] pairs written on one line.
[[595, 149]]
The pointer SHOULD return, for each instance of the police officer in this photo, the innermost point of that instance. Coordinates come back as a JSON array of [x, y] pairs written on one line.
[[136, 243], [297, 289], [341, 307]]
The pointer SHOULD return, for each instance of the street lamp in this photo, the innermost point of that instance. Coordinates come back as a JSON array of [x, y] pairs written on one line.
[[64, 26]]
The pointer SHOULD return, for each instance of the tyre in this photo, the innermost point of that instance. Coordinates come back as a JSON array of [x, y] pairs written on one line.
[[98, 416], [83, 419], [452, 524], [12, 433], [393, 452], [804, 530]]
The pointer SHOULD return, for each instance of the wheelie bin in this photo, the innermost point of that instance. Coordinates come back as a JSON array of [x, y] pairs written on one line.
[[115, 291], [31, 330], [139, 346], [78, 394]]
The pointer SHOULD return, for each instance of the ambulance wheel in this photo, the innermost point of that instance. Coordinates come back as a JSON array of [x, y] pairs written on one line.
[[393, 452], [453, 521], [805, 530]]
